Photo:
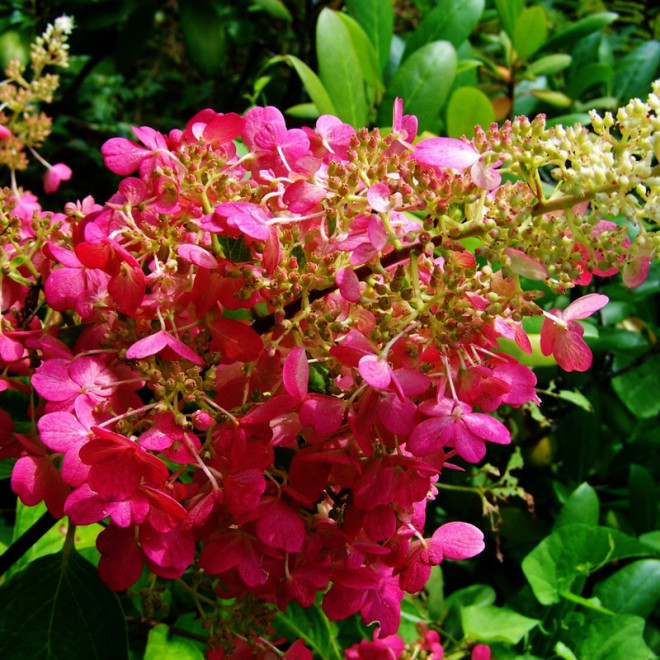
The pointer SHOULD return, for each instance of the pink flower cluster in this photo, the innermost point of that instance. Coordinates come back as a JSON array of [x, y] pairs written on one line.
[[260, 362]]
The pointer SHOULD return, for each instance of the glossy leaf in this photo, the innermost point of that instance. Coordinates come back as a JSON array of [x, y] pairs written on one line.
[[642, 499], [572, 552], [638, 388], [377, 19], [615, 638], [530, 31], [590, 75], [338, 65], [423, 81], [160, 646], [579, 29], [365, 51], [59, 608], [581, 507], [313, 86], [495, 624], [311, 625], [636, 71], [549, 64], [633, 589], [508, 11], [204, 34], [450, 20], [467, 108], [275, 8]]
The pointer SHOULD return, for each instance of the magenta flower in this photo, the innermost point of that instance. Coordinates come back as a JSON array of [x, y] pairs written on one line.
[[561, 334], [455, 425], [55, 175], [450, 153]]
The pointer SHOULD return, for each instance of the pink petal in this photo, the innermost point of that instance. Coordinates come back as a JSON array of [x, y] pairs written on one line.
[[585, 306], [349, 284], [378, 197], [446, 153], [572, 353], [281, 527], [295, 374], [459, 540], [197, 255], [525, 265], [487, 427], [375, 371]]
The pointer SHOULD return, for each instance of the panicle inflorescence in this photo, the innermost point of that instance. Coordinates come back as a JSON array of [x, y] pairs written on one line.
[[255, 367]]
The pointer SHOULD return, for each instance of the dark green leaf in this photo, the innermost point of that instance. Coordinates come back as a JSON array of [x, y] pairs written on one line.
[[574, 551], [589, 76], [468, 107], [638, 388], [313, 86], [338, 67], [508, 11], [636, 71], [275, 8], [58, 609], [160, 646], [312, 625], [204, 34], [423, 81], [581, 507], [450, 20], [615, 638], [6, 467], [642, 499], [495, 624], [530, 31], [579, 29], [634, 589], [377, 19]]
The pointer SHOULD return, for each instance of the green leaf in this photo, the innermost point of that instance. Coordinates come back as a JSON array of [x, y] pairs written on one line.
[[377, 19], [338, 67], [366, 54], [529, 31], [642, 499], [634, 589], [204, 35], [509, 10], [436, 594], [638, 388], [160, 646], [581, 507], [571, 552], [615, 638], [576, 398], [312, 625], [579, 29], [495, 624], [6, 467], [636, 71], [569, 119], [275, 8], [58, 608], [450, 20], [556, 99], [303, 111], [313, 86], [546, 66], [423, 81], [590, 75], [468, 107]]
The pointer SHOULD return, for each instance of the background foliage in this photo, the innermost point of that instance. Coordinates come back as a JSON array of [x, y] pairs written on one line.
[[571, 568]]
